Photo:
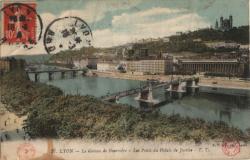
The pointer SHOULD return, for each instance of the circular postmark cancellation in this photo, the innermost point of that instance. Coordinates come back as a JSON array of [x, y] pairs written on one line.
[[67, 33], [230, 147], [26, 151], [21, 24]]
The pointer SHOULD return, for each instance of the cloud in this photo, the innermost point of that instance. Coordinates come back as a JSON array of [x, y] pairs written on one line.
[[95, 11], [134, 26], [143, 16], [47, 18]]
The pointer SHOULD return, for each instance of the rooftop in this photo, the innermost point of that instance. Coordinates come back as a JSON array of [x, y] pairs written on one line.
[[208, 60]]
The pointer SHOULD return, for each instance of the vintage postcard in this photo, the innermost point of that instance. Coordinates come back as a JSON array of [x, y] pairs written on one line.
[[124, 79]]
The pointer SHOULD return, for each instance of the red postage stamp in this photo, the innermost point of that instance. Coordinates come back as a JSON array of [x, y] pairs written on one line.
[[19, 23], [230, 147]]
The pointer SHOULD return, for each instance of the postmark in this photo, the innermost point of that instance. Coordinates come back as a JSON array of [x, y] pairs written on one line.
[[26, 151], [21, 24], [230, 147], [67, 33]]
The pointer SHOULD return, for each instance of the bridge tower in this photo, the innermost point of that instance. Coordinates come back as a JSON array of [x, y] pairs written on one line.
[[192, 85], [179, 87], [146, 96], [117, 99], [182, 89], [195, 85]]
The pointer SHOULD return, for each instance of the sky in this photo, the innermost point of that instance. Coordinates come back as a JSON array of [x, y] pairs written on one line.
[[116, 22]]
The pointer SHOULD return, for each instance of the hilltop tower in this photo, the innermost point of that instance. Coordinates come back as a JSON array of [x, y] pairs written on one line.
[[216, 25], [221, 22], [225, 23], [231, 21]]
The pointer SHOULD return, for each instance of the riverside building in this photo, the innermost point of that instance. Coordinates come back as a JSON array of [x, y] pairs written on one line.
[[149, 66], [226, 67]]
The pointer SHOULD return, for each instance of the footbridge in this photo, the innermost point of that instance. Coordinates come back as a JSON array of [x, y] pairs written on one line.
[[145, 92]]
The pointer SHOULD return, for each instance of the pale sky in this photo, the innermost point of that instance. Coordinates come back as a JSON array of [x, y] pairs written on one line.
[[115, 22]]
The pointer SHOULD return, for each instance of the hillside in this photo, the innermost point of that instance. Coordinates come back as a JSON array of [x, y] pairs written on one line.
[[237, 34], [194, 42]]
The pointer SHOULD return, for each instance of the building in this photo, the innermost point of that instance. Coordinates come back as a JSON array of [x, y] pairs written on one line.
[[81, 63], [10, 63], [107, 67], [4, 66], [225, 24], [148, 66], [225, 67], [223, 45], [166, 39], [92, 62]]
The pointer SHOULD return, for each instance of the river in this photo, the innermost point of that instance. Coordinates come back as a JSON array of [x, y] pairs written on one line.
[[234, 110]]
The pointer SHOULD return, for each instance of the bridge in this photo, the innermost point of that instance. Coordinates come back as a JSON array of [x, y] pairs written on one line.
[[145, 93], [51, 72]]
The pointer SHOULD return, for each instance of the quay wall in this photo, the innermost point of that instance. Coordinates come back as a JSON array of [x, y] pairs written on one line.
[[225, 90]]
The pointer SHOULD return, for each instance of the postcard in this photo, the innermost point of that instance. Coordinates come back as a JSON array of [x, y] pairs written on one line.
[[124, 79]]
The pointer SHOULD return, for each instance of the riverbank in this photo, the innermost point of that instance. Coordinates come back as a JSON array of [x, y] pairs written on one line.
[[207, 81], [52, 114]]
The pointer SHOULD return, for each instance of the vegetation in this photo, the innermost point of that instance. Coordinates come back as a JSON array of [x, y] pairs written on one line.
[[236, 34], [74, 54], [52, 114], [19, 93]]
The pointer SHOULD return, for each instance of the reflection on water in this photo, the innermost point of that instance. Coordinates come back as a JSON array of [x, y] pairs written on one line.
[[234, 110]]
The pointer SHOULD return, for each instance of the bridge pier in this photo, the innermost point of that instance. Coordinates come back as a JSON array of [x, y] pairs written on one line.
[[84, 73], [182, 89], [62, 74], [50, 74], [179, 88], [73, 74], [146, 96], [36, 77], [117, 99], [169, 90], [192, 85]]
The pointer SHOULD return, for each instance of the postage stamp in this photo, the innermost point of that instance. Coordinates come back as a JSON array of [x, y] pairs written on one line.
[[19, 23]]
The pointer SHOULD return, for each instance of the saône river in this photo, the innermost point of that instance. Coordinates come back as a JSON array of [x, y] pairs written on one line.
[[234, 110]]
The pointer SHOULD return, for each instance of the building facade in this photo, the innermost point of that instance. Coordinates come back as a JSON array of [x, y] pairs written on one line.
[[10, 63], [4, 65], [225, 67], [111, 67], [147, 66]]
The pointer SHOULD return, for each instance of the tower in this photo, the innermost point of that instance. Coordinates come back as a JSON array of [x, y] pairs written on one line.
[[216, 25], [231, 21], [221, 23]]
